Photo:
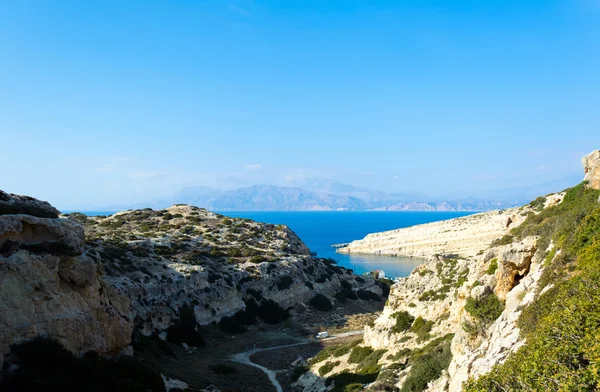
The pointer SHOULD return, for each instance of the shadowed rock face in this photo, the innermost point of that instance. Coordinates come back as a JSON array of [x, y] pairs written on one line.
[[591, 166], [50, 286], [16, 204]]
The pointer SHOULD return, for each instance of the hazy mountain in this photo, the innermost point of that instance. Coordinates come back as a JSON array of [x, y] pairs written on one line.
[[269, 197], [326, 195], [518, 195]]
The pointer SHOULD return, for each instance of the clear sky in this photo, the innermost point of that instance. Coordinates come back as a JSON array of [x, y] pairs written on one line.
[[107, 102]]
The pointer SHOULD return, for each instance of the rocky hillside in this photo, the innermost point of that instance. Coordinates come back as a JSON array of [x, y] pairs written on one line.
[[187, 256], [465, 236], [519, 312], [92, 282]]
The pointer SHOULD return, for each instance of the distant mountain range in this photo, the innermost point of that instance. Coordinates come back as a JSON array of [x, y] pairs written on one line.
[[330, 195]]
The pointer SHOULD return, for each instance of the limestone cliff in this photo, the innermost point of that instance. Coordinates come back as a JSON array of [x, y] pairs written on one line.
[[591, 167], [466, 236], [49, 284], [490, 289], [89, 281]]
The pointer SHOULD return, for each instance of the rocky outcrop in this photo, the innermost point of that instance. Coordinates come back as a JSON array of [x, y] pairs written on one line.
[[438, 291], [89, 281], [187, 256], [591, 167], [466, 236], [49, 285], [17, 204]]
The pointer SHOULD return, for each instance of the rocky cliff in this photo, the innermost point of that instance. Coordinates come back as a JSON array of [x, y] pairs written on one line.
[[89, 282], [506, 301], [51, 286], [187, 256], [466, 236]]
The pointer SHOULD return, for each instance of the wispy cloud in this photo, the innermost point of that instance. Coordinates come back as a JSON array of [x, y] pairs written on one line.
[[252, 166], [143, 175]]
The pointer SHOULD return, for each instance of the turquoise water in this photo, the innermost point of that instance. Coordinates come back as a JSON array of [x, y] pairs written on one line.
[[319, 230]]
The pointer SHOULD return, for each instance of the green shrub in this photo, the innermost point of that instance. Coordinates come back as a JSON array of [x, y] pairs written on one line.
[[345, 349], [462, 278], [421, 327], [405, 352], [321, 303], [470, 328], [257, 259], [323, 370], [561, 352], [355, 387], [322, 355], [538, 204], [486, 309], [359, 353], [507, 239], [350, 382], [492, 267], [427, 364], [370, 362], [296, 372], [367, 295], [403, 321]]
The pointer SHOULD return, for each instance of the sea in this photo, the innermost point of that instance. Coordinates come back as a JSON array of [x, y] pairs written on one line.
[[321, 229]]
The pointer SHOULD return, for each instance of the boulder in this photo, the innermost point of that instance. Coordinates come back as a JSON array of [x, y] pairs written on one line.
[[16, 204], [40, 235], [50, 287], [591, 167]]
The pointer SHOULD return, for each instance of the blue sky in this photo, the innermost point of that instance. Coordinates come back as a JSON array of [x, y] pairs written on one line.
[[105, 102]]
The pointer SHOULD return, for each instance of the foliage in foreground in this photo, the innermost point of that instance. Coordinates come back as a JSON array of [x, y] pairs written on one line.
[[45, 365], [427, 364], [562, 349]]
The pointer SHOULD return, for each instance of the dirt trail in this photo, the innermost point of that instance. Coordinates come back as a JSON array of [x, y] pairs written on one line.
[[244, 357]]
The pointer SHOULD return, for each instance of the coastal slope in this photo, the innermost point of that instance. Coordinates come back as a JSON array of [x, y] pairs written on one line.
[[465, 236], [515, 310]]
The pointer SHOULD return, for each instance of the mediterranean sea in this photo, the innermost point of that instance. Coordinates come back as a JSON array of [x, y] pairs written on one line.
[[321, 229]]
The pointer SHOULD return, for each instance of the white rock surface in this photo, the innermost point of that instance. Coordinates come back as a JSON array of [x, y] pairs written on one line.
[[465, 236]]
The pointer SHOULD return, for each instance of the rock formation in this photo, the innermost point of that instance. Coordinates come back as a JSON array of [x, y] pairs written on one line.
[[185, 255], [89, 281], [50, 286], [465, 236], [482, 274], [591, 167]]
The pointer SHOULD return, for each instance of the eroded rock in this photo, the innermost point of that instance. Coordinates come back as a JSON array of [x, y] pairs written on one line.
[[591, 167], [16, 204], [50, 287]]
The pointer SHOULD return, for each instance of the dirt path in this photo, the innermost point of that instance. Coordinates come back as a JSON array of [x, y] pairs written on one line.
[[244, 357]]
